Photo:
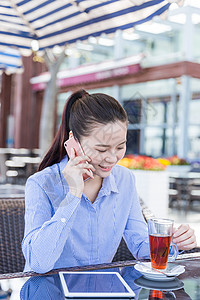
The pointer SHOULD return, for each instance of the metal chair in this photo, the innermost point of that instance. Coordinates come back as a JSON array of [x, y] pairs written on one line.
[[194, 194], [179, 192], [11, 235]]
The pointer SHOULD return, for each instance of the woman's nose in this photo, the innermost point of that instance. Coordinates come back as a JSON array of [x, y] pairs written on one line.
[[111, 157]]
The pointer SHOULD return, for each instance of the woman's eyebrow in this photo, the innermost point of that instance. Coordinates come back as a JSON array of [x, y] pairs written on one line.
[[122, 142], [104, 145]]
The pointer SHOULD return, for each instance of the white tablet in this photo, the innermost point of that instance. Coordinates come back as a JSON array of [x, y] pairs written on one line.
[[95, 285]]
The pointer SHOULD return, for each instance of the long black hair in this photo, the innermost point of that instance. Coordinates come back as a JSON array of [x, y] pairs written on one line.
[[81, 112]]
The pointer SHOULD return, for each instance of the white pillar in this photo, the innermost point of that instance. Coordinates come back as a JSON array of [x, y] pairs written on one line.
[[174, 108], [118, 53], [186, 93], [143, 124], [183, 118], [118, 47], [188, 34]]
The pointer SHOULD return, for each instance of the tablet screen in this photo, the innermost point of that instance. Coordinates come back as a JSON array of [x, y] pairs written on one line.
[[94, 284]]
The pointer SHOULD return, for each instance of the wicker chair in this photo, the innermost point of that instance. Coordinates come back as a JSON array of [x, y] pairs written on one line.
[[12, 232], [11, 235]]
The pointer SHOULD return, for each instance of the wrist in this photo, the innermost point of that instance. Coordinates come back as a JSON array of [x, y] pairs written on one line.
[[75, 192]]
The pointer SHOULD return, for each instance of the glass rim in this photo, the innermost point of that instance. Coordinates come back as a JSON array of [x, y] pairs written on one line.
[[161, 220]]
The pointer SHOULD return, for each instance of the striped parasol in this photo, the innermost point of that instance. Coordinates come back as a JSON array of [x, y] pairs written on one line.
[[10, 61], [60, 22]]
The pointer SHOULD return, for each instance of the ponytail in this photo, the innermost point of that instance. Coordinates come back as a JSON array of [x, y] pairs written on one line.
[[57, 151]]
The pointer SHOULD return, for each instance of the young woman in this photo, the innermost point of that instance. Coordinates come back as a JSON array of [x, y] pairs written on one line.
[[70, 221]]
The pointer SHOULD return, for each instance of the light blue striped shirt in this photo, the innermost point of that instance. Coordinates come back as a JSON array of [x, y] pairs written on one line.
[[62, 230]]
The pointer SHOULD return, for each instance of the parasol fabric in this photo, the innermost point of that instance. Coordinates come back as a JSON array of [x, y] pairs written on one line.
[[60, 22]]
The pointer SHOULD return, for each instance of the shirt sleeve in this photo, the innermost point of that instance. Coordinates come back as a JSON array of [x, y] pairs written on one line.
[[136, 231], [46, 231]]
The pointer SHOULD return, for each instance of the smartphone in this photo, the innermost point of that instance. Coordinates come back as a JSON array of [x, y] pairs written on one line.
[[72, 143]]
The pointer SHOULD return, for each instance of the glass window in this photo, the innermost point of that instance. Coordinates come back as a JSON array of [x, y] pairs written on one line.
[[194, 112], [194, 141], [156, 112], [133, 109], [154, 141], [133, 138], [104, 90], [170, 142], [171, 112]]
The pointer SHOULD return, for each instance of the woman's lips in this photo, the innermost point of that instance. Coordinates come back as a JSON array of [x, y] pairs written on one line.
[[106, 169]]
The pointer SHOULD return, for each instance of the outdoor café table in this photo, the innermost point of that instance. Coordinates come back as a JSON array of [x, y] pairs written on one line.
[[34, 286], [185, 175], [11, 191]]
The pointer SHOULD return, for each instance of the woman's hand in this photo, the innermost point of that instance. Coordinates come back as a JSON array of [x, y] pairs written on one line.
[[184, 237], [74, 170]]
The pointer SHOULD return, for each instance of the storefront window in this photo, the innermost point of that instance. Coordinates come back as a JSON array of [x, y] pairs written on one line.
[[194, 112], [153, 141], [104, 90], [134, 110], [133, 139], [156, 112], [194, 142]]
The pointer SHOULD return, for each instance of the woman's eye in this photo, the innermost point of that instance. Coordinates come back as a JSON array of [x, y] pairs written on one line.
[[120, 148], [101, 151]]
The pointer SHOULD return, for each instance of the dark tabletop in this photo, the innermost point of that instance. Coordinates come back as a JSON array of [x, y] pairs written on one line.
[[48, 286]]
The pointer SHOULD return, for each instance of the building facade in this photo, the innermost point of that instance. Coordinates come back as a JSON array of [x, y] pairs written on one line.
[[154, 71]]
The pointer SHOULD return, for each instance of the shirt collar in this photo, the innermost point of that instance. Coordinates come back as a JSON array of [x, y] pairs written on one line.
[[109, 183]]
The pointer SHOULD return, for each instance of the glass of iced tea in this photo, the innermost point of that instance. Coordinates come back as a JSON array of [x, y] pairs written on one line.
[[160, 235]]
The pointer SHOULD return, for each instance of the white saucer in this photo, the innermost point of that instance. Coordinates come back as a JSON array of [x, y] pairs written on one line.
[[147, 272], [171, 285]]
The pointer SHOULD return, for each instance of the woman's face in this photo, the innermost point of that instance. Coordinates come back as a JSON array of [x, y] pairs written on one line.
[[106, 145]]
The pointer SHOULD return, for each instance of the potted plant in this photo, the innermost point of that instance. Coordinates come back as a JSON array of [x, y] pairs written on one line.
[[177, 164], [152, 182]]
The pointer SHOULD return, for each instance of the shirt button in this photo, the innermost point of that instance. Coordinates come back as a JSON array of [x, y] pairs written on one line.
[[63, 220]]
